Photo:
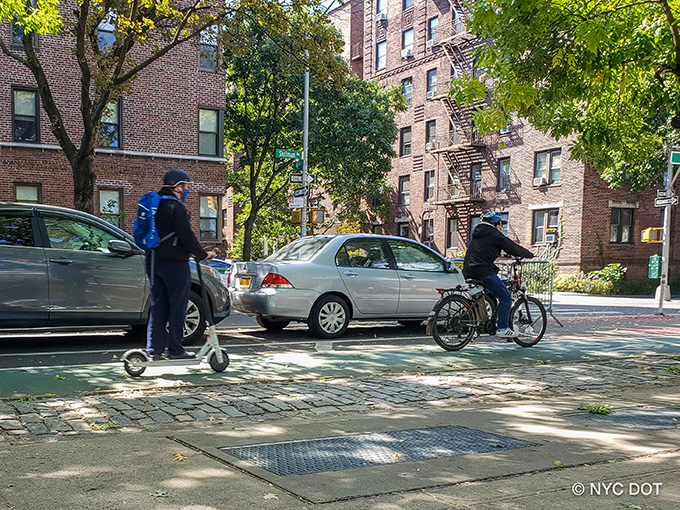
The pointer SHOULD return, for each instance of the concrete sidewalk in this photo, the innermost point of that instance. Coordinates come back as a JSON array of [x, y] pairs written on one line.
[[170, 449]]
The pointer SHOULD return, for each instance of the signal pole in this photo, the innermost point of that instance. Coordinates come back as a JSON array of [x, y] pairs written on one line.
[[305, 143]]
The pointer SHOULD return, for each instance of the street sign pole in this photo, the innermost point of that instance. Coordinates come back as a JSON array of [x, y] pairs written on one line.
[[305, 140], [664, 290]]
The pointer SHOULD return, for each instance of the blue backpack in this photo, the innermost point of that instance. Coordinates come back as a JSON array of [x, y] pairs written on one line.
[[145, 231]]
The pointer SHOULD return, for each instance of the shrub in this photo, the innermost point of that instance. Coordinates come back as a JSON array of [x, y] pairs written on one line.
[[613, 273]]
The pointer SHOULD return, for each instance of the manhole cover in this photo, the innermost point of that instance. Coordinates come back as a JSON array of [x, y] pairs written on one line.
[[654, 418], [349, 452]]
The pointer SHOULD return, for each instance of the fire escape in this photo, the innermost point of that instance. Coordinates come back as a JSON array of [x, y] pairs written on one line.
[[461, 149]]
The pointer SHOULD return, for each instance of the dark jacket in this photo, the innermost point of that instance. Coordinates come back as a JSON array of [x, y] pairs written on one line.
[[172, 216], [485, 247]]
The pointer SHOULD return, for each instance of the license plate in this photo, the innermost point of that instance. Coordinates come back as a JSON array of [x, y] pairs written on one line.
[[244, 281]]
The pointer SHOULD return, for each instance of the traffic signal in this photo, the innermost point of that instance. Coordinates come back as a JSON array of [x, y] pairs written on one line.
[[313, 216], [652, 235]]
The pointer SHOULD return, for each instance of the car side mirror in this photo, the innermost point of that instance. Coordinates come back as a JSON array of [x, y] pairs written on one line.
[[121, 248], [450, 266]]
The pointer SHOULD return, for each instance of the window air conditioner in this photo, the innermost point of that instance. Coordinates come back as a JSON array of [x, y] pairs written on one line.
[[550, 238], [429, 146], [539, 181], [429, 43], [381, 16], [430, 93], [406, 53]]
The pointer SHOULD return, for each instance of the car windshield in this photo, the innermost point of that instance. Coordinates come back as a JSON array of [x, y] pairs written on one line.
[[301, 249]]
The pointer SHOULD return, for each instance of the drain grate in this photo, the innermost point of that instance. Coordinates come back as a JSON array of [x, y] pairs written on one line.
[[350, 452], [654, 418]]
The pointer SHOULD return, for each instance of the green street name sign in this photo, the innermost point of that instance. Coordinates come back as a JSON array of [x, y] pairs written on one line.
[[675, 158], [288, 154]]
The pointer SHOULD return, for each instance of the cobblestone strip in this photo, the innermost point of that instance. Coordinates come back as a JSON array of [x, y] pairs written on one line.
[[55, 418]]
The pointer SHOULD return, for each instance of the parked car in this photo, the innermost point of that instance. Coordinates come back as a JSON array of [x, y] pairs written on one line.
[[221, 266], [65, 270], [328, 280]]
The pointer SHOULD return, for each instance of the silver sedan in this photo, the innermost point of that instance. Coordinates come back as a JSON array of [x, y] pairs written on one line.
[[326, 281]]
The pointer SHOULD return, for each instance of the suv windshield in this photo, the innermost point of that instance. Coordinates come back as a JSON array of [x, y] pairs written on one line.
[[301, 249]]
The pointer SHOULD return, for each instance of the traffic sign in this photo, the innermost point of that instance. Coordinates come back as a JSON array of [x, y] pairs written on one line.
[[297, 164], [288, 154], [296, 177], [675, 158], [663, 202], [300, 192], [296, 202], [663, 193]]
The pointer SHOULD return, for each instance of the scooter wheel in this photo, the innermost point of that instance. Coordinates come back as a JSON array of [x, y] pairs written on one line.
[[133, 366], [217, 366]]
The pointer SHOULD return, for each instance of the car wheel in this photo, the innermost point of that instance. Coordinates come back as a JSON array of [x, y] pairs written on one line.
[[271, 324], [194, 323], [329, 317]]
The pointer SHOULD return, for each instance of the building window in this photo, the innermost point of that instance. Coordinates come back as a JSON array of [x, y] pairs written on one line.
[[403, 229], [109, 127], [27, 193], [407, 90], [477, 71], [505, 130], [431, 82], [208, 54], [452, 233], [405, 190], [209, 206], [381, 6], [381, 55], [428, 230], [429, 186], [407, 40], [106, 37], [18, 34], [505, 223], [433, 29], [406, 4], [543, 219], [110, 206], [405, 142], [25, 116], [504, 174], [548, 165], [377, 229], [430, 131], [476, 181], [621, 226], [209, 139], [474, 223]]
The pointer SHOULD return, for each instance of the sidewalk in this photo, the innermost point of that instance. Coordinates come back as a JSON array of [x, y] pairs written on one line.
[[174, 448]]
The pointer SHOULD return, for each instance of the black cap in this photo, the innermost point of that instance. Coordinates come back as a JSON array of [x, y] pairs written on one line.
[[174, 177]]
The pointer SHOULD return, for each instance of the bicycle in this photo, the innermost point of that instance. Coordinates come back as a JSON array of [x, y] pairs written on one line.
[[464, 312]]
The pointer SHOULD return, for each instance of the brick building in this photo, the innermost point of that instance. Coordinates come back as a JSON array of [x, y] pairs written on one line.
[[170, 118], [446, 175]]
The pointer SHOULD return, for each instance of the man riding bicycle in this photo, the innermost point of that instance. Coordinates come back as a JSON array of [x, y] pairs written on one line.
[[484, 248]]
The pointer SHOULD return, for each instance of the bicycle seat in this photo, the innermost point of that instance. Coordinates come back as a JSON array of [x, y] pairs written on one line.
[[474, 281]]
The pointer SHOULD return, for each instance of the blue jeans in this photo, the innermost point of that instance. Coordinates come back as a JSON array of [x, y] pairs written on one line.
[[494, 285], [169, 296]]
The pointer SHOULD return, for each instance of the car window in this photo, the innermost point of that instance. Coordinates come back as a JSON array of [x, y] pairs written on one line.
[[300, 249], [363, 253], [16, 230], [411, 257], [69, 234]]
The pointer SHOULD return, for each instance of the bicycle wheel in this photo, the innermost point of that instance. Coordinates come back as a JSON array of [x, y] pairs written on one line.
[[529, 320], [454, 323]]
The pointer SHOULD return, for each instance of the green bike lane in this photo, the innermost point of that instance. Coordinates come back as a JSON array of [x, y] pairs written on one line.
[[347, 358]]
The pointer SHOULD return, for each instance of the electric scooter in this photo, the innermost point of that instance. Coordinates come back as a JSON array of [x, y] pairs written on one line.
[[136, 360]]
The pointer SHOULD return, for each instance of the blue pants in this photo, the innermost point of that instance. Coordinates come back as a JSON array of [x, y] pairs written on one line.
[[169, 297], [494, 285]]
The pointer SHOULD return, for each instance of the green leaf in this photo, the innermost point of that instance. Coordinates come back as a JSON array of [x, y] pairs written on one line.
[[558, 463], [97, 487]]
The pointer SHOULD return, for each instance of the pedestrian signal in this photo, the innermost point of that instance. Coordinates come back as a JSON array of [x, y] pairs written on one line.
[[652, 235], [316, 216], [313, 216]]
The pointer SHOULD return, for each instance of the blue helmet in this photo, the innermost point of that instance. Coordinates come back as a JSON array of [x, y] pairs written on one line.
[[493, 217], [174, 177]]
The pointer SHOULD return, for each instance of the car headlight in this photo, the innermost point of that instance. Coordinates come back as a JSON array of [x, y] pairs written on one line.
[[211, 271]]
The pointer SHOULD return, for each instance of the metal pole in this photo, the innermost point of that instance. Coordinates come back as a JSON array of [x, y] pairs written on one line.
[[664, 289], [305, 139]]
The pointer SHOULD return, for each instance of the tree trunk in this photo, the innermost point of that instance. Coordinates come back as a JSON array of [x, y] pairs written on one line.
[[83, 183], [248, 235]]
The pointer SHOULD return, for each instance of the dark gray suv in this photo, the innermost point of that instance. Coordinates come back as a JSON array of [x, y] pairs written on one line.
[[65, 270]]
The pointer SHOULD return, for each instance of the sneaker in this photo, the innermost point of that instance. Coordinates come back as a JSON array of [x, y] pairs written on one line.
[[184, 355], [506, 333], [156, 357]]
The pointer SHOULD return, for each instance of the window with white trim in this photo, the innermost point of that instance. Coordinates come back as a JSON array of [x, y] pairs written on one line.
[[209, 206], [543, 220]]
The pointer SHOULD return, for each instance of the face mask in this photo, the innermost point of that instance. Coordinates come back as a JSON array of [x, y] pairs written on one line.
[[185, 194]]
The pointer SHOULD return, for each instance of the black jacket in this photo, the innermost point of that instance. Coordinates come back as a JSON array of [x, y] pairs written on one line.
[[172, 216], [485, 247]]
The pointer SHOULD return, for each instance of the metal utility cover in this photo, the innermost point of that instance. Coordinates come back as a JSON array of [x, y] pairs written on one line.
[[356, 451], [641, 418]]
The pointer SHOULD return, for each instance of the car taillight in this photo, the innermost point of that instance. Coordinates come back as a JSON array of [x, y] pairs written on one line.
[[229, 279], [276, 280]]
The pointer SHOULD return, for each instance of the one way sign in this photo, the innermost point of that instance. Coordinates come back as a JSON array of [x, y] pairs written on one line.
[[663, 202]]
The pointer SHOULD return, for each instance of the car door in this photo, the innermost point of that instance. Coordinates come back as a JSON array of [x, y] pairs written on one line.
[[371, 282], [23, 272], [420, 273], [88, 284]]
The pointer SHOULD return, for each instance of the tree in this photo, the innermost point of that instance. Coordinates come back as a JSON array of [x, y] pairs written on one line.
[[606, 72], [351, 122]]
